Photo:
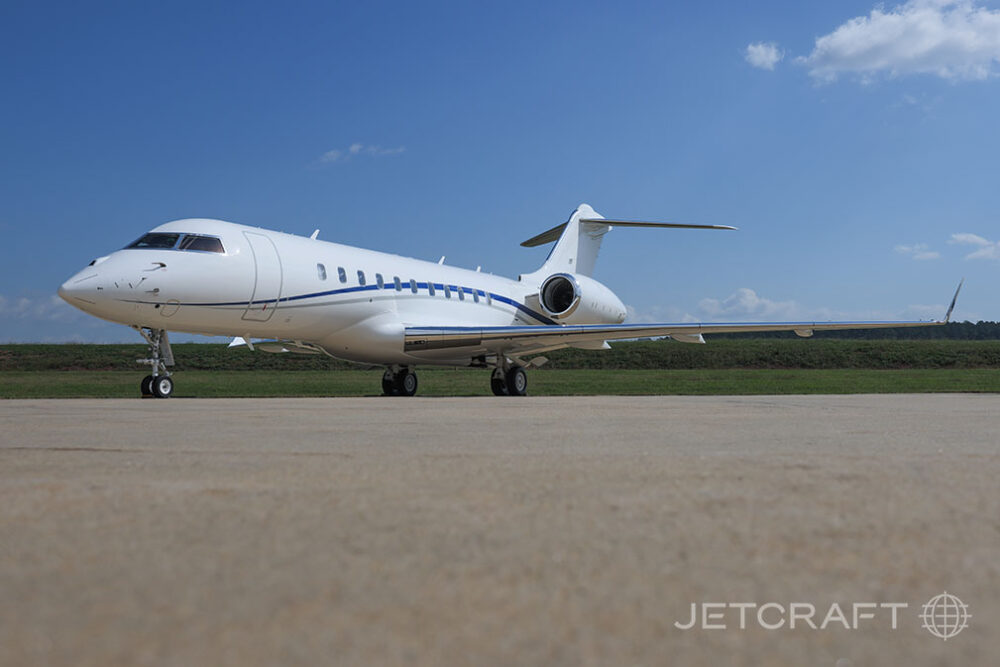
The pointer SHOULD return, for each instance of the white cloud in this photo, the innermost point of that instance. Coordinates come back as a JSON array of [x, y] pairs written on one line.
[[46, 309], [331, 156], [657, 314], [355, 149], [764, 55], [986, 249], [953, 39], [746, 303], [918, 251]]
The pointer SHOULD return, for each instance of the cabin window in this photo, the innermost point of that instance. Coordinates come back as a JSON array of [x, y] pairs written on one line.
[[461, 293], [413, 285], [342, 273], [361, 278], [489, 299], [321, 271], [397, 283], [475, 295], [430, 288], [379, 281], [447, 292], [201, 243], [155, 240]]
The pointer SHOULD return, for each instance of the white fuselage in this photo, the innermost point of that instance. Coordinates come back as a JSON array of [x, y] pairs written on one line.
[[353, 303]]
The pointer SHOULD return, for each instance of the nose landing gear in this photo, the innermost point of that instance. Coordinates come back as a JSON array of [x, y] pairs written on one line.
[[157, 384]]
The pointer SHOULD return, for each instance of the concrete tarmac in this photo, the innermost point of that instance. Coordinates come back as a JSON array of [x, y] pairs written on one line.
[[475, 531]]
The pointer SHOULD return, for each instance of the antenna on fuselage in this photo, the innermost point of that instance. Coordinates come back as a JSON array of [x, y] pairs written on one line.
[[441, 261], [312, 237]]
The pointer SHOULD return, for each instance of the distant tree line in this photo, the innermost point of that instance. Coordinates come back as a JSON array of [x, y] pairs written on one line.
[[950, 331]]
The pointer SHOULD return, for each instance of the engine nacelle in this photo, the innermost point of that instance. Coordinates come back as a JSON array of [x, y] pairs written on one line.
[[574, 299]]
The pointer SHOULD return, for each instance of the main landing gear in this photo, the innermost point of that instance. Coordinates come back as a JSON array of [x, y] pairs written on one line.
[[158, 383], [399, 382], [512, 381], [509, 379]]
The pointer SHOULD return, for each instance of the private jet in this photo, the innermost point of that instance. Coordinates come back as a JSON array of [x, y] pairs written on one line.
[[284, 293]]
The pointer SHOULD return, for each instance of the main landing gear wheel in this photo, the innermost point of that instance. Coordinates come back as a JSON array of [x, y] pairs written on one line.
[[407, 381], [163, 386], [498, 383], [146, 386], [401, 383], [388, 383], [517, 381], [512, 382]]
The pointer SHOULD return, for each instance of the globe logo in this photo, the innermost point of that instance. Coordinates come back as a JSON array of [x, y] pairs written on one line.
[[945, 616]]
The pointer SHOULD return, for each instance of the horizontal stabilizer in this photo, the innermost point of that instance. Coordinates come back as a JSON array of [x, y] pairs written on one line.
[[554, 233]]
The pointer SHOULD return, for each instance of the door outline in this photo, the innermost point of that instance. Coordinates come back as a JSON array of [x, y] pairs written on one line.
[[268, 278]]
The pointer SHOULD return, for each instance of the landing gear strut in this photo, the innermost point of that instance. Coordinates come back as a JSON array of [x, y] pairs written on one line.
[[158, 383], [399, 382], [510, 381]]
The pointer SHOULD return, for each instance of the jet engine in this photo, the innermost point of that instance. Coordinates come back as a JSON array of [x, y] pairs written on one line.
[[575, 299]]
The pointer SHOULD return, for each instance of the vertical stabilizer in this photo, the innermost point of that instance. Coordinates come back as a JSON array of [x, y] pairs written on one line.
[[577, 248]]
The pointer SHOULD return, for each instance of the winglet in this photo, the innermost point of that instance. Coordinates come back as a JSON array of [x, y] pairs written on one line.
[[947, 317]]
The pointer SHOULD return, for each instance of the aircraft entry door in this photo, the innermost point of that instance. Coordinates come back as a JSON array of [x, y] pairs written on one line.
[[267, 278]]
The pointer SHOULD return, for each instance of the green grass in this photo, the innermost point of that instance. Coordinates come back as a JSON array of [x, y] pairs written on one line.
[[792, 353], [764, 366], [465, 382]]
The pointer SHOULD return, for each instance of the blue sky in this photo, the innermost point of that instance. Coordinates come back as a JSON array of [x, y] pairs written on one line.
[[854, 144]]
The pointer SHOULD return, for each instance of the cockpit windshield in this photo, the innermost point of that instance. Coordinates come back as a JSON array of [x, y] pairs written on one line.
[[167, 241], [202, 243], [154, 240]]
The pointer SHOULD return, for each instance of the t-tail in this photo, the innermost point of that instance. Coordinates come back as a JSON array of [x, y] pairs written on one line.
[[566, 292], [578, 240]]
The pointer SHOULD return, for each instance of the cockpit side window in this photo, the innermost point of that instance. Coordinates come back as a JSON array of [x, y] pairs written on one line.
[[202, 243], [158, 240]]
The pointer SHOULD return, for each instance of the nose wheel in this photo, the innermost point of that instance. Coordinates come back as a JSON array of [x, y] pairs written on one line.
[[158, 383]]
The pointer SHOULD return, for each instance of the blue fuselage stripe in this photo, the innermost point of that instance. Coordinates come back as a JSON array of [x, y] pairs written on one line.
[[390, 287]]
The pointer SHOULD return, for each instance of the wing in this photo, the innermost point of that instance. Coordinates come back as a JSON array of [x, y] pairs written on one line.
[[515, 340]]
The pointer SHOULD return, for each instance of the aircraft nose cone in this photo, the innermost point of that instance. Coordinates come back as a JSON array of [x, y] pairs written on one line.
[[79, 288]]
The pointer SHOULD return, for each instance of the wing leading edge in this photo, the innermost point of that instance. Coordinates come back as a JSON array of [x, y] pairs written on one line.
[[511, 340]]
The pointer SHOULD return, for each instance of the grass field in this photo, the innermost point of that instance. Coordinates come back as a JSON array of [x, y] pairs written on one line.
[[792, 353], [465, 382], [773, 366]]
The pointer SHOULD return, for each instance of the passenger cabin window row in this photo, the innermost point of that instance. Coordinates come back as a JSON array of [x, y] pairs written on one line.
[[398, 284], [178, 241]]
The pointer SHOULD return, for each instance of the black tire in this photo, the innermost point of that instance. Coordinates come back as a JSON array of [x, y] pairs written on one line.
[[163, 386], [146, 386], [517, 382], [389, 384], [498, 383], [406, 383]]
